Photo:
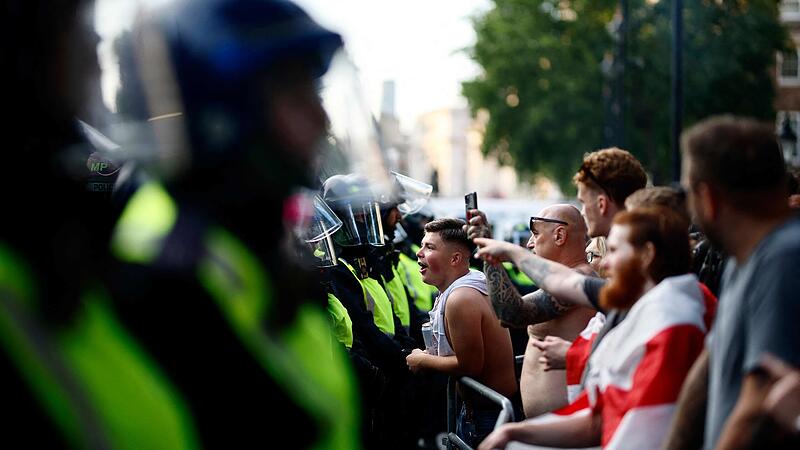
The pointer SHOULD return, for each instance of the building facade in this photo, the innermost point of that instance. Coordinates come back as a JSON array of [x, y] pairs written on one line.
[[445, 150], [787, 81]]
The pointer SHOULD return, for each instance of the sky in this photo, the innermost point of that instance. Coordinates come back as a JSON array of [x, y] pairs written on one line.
[[416, 43]]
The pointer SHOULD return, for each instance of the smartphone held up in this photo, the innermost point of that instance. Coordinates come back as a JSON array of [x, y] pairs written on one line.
[[470, 202]]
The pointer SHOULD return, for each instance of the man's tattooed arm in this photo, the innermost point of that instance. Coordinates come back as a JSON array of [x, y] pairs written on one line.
[[516, 311], [557, 279]]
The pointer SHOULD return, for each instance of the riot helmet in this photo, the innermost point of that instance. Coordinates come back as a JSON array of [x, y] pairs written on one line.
[[414, 224], [413, 194], [352, 199], [400, 195], [228, 86], [103, 161], [317, 233]]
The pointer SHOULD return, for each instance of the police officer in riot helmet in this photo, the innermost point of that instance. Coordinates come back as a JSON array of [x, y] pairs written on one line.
[[73, 375], [52, 235], [352, 199], [378, 332], [414, 226], [401, 195], [228, 97], [408, 244]]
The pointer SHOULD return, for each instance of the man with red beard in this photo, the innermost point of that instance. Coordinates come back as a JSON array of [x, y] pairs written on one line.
[[634, 375]]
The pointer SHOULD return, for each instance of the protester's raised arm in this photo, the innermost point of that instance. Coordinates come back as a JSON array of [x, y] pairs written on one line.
[[516, 311], [557, 279]]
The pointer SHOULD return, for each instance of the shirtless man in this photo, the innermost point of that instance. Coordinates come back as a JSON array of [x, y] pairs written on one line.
[[467, 337], [558, 234]]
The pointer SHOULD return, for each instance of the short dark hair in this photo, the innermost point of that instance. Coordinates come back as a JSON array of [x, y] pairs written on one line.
[[614, 171], [451, 230], [741, 156], [666, 231]]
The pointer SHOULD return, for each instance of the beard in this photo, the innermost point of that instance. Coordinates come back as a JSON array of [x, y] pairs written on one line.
[[625, 287]]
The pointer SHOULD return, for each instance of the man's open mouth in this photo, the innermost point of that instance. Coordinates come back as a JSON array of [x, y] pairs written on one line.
[[422, 267]]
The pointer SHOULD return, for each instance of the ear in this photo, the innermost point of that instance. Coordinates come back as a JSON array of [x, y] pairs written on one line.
[[603, 204], [560, 235], [456, 258], [648, 255]]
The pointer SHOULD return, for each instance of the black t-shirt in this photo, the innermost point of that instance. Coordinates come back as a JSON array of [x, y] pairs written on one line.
[[591, 287]]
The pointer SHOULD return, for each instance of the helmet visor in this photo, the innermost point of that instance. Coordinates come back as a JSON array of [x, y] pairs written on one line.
[[323, 224], [361, 225], [323, 252], [414, 194], [400, 234]]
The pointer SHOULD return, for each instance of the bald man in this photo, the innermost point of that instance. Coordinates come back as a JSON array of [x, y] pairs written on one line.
[[558, 233]]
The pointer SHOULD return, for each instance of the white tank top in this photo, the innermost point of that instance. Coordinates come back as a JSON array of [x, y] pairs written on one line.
[[475, 280]]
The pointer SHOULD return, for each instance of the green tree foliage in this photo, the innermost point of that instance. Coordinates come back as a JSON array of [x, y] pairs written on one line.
[[546, 67]]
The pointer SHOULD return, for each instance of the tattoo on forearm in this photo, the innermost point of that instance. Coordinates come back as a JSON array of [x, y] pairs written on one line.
[[516, 311], [541, 307], [504, 296]]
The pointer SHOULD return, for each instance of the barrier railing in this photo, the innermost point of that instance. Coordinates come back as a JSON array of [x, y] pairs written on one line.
[[506, 408]]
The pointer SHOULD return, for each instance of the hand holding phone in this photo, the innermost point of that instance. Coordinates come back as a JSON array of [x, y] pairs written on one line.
[[470, 202]]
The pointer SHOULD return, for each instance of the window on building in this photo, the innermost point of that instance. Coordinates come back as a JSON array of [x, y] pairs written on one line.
[[790, 6], [789, 65]]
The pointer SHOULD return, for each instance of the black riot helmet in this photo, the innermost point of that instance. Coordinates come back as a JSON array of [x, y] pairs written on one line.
[[353, 201], [401, 193], [414, 224], [228, 87], [316, 229]]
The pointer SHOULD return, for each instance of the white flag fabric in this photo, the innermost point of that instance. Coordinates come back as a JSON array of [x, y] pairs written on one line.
[[578, 354], [636, 372]]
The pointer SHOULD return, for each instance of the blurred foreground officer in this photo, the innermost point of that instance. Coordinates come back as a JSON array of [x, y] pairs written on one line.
[[71, 374], [205, 277]]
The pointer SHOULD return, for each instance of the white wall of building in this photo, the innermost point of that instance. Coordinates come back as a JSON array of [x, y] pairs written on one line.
[[449, 141]]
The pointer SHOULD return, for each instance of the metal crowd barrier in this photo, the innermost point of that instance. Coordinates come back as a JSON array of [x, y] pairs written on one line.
[[506, 408]]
